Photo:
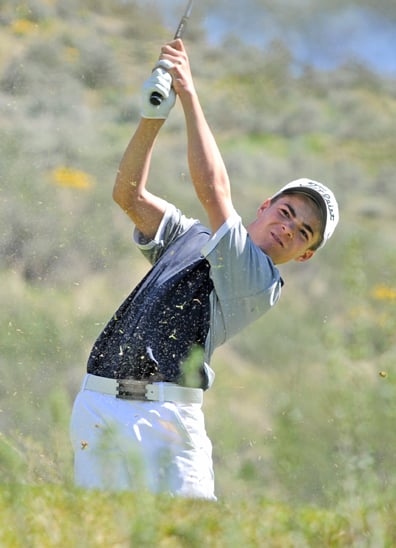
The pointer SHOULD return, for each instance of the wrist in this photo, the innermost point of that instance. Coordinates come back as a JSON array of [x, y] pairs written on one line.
[[188, 98], [151, 123]]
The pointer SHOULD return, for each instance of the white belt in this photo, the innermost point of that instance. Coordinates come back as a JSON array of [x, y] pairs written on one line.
[[142, 390]]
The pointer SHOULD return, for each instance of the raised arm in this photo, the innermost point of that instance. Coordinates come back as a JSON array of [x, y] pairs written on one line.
[[144, 208], [207, 169]]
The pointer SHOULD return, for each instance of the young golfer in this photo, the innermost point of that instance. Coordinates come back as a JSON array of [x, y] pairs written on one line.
[[137, 422]]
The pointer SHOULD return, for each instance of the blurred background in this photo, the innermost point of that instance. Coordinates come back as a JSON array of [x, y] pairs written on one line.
[[304, 404]]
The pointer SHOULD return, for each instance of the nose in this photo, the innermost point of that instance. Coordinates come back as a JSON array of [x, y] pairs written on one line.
[[288, 229]]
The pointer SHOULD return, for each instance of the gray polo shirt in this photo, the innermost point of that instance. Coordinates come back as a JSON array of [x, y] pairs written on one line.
[[246, 282]]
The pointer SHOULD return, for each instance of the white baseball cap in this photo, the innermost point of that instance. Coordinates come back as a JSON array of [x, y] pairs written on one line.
[[323, 196]]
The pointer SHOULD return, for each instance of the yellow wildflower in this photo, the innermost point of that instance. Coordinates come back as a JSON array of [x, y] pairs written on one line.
[[23, 26], [72, 178], [384, 293]]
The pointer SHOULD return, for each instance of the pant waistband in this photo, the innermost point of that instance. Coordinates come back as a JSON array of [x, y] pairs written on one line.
[[130, 389]]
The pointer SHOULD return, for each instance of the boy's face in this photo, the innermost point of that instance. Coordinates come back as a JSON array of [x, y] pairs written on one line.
[[287, 228]]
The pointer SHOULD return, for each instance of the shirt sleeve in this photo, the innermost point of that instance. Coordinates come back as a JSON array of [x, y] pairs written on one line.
[[172, 225], [246, 282]]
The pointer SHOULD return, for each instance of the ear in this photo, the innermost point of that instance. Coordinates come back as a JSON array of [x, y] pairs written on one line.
[[308, 254], [265, 205]]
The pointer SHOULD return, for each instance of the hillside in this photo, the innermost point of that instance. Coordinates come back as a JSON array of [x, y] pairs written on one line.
[[303, 408]]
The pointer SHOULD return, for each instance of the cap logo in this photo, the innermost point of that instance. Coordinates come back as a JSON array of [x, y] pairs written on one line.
[[326, 197]]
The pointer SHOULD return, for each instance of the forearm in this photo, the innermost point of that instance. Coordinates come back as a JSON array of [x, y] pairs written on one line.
[[207, 169], [133, 170], [129, 190]]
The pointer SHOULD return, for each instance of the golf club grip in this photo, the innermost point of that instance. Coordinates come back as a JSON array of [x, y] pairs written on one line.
[[156, 98]]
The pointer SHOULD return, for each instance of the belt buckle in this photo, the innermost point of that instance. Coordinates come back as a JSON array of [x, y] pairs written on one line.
[[130, 389]]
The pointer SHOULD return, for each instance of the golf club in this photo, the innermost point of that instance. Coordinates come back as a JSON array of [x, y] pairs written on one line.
[[156, 98]]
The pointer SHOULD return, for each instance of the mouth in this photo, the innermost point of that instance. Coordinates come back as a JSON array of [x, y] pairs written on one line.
[[277, 239]]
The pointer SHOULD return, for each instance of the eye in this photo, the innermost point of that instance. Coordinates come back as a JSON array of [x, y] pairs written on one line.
[[305, 234], [285, 212]]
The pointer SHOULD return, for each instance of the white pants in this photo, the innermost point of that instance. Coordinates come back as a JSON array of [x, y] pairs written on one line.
[[131, 445]]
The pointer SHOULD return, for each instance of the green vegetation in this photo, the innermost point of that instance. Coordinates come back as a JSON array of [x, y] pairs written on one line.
[[303, 409], [55, 517]]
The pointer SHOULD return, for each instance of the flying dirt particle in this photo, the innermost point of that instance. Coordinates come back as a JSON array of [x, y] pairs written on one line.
[[84, 444], [168, 426]]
